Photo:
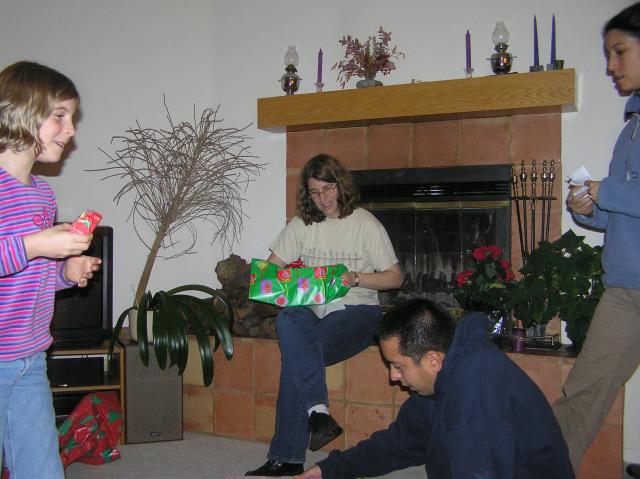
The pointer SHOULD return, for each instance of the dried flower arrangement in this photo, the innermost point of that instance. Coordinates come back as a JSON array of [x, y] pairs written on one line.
[[368, 58]]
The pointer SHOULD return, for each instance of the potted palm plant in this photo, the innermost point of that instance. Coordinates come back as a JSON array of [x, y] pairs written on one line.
[[191, 172]]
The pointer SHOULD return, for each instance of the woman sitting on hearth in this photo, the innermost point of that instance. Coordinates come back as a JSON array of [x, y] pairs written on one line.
[[329, 229]]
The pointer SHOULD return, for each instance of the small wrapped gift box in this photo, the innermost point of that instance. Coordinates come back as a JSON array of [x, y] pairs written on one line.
[[306, 286]]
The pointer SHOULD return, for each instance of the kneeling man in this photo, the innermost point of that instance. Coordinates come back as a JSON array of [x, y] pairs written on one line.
[[476, 414]]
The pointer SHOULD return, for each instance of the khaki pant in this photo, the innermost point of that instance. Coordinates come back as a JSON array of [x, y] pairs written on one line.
[[609, 357]]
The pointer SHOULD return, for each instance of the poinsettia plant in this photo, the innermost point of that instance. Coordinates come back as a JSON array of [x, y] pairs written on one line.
[[486, 286], [366, 59]]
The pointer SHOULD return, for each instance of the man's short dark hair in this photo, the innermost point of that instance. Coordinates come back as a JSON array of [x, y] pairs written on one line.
[[420, 326]]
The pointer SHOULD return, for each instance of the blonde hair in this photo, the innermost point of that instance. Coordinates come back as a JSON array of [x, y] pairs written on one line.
[[28, 94]]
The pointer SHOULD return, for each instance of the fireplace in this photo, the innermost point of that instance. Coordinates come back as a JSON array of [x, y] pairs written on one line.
[[435, 218]]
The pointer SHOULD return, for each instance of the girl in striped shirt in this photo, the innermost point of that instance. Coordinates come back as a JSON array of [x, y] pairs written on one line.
[[37, 108]]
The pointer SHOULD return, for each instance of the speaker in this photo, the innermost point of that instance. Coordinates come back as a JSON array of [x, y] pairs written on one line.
[[153, 399]]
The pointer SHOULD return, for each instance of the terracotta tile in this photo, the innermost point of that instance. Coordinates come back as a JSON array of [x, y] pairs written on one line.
[[293, 180], [265, 417], [267, 366], [484, 141], [335, 377], [234, 414], [238, 372], [435, 143], [348, 146], [368, 378], [363, 420], [197, 408], [545, 371], [302, 145], [603, 459], [389, 146], [536, 136]]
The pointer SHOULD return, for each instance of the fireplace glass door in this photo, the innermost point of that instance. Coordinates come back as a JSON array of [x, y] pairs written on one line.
[[435, 241]]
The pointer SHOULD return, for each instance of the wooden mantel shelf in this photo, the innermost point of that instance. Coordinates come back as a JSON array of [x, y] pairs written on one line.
[[503, 95]]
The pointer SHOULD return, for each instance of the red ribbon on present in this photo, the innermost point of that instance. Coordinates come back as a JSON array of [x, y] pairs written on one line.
[[297, 264]]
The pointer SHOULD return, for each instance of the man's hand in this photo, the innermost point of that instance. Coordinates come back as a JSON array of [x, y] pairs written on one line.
[[80, 269], [311, 473]]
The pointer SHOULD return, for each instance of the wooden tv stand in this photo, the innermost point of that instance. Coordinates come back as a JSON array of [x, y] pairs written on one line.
[[111, 380]]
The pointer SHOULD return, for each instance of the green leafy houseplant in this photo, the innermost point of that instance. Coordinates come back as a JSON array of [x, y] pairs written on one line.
[[487, 285], [192, 171], [563, 279]]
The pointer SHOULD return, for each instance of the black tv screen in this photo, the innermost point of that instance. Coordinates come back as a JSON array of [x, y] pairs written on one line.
[[83, 316]]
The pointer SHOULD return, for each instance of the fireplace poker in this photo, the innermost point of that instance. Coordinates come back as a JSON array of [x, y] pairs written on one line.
[[534, 180], [514, 187], [552, 177], [523, 186], [545, 193]]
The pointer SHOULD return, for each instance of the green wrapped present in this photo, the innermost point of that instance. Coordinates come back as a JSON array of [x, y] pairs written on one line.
[[287, 286]]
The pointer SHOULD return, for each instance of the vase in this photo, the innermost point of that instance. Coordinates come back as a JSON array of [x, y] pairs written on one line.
[[501, 329], [368, 82], [133, 325]]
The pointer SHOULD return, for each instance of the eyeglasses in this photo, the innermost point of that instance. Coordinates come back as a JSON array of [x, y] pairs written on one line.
[[324, 190]]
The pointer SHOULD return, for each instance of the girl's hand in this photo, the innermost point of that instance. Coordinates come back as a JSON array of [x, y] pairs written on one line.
[[56, 242], [581, 203], [80, 269]]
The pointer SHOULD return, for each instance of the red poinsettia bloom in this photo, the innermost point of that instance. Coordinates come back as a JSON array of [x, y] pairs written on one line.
[[487, 285], [507, 269], [463, 278], [485, 251]]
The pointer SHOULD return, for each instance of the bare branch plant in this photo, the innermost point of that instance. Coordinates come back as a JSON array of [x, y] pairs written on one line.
[[190, 172]]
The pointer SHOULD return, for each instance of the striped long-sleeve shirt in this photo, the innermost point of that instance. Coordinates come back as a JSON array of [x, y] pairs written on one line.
[[27, 287]]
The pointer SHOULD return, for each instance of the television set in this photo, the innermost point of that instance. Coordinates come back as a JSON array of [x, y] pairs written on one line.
[[82, 317]]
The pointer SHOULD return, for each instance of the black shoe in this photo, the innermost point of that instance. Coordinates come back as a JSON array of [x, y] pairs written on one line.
[[633, 470], [276, 468], [323, 429]]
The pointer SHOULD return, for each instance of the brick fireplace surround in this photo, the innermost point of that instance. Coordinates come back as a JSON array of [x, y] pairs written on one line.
[[241, 402]]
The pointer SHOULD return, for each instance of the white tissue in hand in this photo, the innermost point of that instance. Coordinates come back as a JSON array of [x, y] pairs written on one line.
[[579, 190], [579, 176]]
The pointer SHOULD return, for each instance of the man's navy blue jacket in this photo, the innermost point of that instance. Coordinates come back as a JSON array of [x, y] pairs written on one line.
[[486, 419]]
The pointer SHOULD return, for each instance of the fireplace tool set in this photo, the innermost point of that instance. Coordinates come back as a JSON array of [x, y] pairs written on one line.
[[533, 213], [533, 203]]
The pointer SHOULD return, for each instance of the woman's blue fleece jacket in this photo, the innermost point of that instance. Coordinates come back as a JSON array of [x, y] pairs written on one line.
[[486, 419], [617, 211]]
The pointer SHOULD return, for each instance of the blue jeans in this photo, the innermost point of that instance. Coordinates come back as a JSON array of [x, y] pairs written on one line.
[[27, 420], [307, 345]]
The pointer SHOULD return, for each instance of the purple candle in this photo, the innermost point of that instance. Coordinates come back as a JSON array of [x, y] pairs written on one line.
[[467, 40], [319, 78], [536, 60], [553, 39]]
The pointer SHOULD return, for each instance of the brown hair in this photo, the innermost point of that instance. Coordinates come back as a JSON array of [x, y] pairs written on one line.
[[326, 168], [28, 94]]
